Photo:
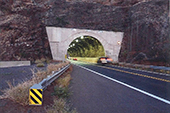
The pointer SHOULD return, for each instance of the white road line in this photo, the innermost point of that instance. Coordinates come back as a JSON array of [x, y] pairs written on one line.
[[136, 89]]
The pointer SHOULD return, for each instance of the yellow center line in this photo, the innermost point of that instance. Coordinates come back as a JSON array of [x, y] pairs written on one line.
[[146, 76]]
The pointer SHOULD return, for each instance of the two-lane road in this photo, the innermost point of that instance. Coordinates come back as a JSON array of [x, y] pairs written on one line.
[[108, 89]]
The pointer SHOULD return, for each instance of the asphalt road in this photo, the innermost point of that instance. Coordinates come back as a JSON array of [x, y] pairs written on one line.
[[16, 75], [108, 89]]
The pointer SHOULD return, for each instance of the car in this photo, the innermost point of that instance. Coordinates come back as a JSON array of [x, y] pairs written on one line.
[[75, 59], [104, 60]]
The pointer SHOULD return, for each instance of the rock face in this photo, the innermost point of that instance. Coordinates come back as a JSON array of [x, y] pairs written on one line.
[[22, 32], [111, 2], [147, 32], [144, 22], [87, 16]]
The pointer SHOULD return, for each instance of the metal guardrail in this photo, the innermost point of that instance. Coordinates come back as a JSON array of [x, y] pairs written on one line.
[[46, 82], [35, 93]]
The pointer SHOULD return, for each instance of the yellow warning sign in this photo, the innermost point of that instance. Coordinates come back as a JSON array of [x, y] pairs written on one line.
[[35, 96]]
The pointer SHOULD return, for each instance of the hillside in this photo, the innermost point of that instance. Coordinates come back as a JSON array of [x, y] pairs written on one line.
[[144, 22]]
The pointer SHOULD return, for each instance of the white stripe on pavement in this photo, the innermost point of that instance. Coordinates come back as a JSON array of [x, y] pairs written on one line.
[[136, 89]]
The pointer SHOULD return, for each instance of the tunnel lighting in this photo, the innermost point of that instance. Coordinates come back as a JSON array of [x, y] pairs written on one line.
[[82, 37], [74, 30], [73, 44], [88, 30], [118, 42], [77, 40]]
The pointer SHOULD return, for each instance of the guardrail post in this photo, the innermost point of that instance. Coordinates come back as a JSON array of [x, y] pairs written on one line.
[[35, 95]]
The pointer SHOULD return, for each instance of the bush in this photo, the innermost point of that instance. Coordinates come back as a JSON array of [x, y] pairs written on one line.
[[64, 82], [52, 67], [61, 92], [38, 61], [19, 93], [59, 106], [40, 64], [43, 60]]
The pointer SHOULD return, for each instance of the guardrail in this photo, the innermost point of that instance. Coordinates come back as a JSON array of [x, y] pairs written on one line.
[[36, 91]]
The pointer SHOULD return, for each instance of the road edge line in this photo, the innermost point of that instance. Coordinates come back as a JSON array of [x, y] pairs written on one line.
[[131, 87]]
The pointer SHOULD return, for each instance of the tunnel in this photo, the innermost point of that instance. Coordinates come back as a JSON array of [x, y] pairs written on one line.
[[61, 39]]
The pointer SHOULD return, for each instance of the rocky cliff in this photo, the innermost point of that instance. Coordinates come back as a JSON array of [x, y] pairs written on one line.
[[148, 32], [22, 32], [144, 22]]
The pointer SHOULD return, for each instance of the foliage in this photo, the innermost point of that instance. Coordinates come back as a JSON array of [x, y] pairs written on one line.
[[61, 89], [64, 82], [59, 106], [61, 92], [40, 65], [38, 61], [86, 47], [19, 93]]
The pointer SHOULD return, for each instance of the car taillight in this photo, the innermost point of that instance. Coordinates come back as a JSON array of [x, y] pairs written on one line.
[[109, 59], [102, 59]]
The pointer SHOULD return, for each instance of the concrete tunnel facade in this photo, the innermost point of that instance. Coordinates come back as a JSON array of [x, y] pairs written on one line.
[[60, 38]]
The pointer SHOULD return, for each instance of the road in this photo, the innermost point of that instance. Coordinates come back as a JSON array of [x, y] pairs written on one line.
[[109, 89]]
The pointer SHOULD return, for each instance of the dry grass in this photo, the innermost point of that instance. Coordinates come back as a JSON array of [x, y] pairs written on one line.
[[52, 67], [40, 64], [61, 91], [20, 93], [39, 76], [38, 61], [64, 82], [43, 59], [59, 106]]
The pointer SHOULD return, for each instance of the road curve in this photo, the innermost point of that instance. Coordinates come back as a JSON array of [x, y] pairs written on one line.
[[93, 93]]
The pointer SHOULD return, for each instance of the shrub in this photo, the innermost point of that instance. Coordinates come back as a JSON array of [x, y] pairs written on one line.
[[61, 89], [39, 76], [40, 64], [19, 93], [162, 71], [59, 106], [64, 82], [167, 72], [38, 61], [52, 67], [48, 61], [43, 60], [61, 92]]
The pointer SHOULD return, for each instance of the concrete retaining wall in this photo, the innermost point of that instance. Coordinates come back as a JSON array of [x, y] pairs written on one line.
[[14, 63]]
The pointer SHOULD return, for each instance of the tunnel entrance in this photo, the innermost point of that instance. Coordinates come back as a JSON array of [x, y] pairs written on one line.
[[85, 46], [61, 39]]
